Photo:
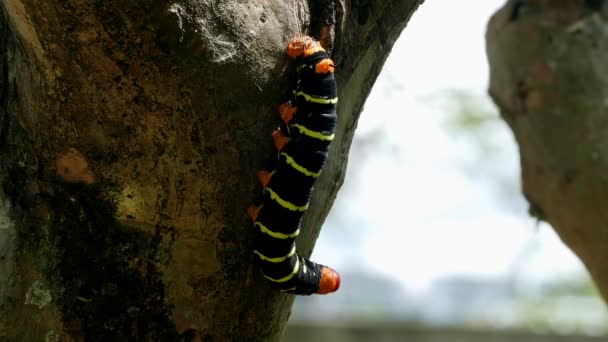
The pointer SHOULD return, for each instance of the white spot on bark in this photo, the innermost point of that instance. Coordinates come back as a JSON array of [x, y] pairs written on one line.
[[38, 295], [52, 336], [578, 26], [297, 15], [5, 221], [179, 12], [220, 47]]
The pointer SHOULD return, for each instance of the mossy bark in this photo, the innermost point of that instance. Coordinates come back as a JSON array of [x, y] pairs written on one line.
[[130, 133], [549, 77]]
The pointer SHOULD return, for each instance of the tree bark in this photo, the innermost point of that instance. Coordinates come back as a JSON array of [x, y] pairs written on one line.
[[549, 78], [130, 133]]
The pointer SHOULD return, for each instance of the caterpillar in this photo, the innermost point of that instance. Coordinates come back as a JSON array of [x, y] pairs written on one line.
[[302, 142]]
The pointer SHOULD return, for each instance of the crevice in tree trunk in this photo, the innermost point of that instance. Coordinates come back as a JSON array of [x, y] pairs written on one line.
[[323, 21]]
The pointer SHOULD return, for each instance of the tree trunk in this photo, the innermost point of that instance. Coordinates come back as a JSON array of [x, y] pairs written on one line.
[[549, 77], [130, 133]]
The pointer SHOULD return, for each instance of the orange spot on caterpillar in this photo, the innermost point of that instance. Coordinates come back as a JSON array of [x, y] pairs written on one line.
[[286, 111], [329, 282], [302, 46], [325, 66], [264, 177], [280, 140], [253, 212]]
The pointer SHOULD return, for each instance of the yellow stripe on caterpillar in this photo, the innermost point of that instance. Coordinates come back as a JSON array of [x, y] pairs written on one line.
[[276, 235], [277, 259], [287, 290], [314, 99], [299, 167], [283, 203], [313, 134], [287, 277]]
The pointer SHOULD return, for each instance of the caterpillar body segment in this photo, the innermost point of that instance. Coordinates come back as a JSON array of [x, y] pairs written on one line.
[[303, 141]]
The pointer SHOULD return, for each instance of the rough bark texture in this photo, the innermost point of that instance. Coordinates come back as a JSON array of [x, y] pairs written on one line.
[[549, 77], [130, 133]]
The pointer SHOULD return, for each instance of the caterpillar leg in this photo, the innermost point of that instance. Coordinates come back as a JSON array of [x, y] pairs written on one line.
[[253, 211], [287, 111], [264, 177], [280, 139]]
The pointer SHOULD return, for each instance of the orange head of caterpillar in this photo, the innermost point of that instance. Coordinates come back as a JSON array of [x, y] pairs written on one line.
[[329, 282], [302, 47]]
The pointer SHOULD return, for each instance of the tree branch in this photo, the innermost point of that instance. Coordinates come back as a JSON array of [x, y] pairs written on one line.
[[549, 78]]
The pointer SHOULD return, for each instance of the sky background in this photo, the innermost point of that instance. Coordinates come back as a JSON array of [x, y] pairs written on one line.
[[421, 201]]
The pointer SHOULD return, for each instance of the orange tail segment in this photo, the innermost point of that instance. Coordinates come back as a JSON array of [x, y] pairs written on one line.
[[330, 281]]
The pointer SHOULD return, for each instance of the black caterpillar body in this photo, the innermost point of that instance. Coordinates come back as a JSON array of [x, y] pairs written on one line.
[[303, 144]]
